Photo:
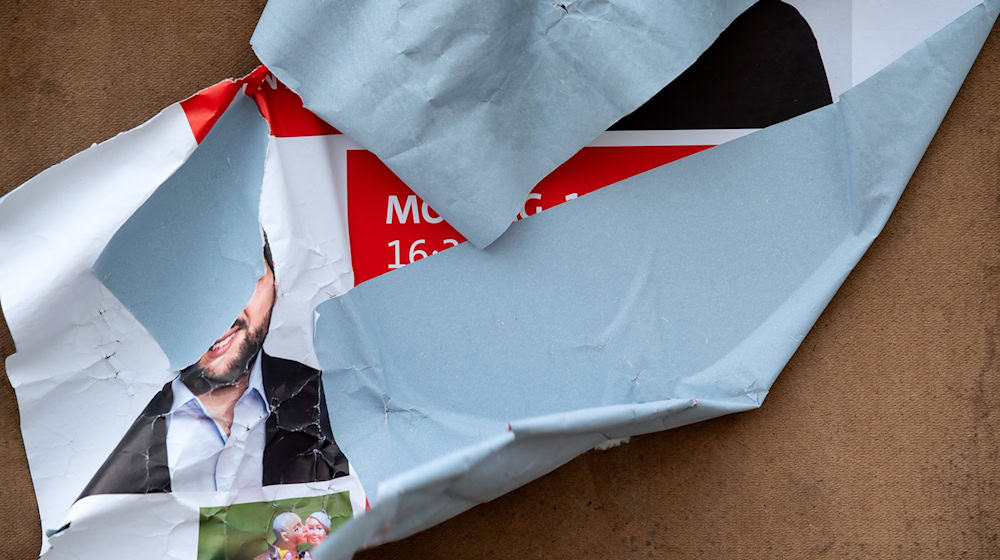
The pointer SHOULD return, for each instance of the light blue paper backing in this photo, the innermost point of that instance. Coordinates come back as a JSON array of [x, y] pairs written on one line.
[[186, 262], [672, 297], [472, 103]]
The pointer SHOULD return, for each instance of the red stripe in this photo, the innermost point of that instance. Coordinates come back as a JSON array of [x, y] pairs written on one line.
[[280, 106], [204, 108]]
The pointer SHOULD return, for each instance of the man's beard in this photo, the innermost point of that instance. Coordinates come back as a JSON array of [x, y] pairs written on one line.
[[201, 381]]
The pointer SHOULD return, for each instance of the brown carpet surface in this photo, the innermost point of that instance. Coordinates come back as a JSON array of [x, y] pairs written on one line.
[[879, 440]]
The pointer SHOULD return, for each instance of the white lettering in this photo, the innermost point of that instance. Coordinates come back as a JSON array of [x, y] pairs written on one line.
[[402, 212], [426, 210], [416, 254], [524, 210]]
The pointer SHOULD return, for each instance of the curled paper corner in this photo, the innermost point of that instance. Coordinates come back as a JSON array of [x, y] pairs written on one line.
[[516, 88], [801, 202], [186, 262]]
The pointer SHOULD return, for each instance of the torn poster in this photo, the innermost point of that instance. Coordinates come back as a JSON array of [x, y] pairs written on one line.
[[494, 67], [292, 382]]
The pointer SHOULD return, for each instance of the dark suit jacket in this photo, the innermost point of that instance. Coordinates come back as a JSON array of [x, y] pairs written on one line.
[[299, 444]]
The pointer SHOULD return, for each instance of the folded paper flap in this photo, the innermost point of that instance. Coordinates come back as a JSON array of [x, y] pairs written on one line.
[[451, 484], [516, 88], [559, 315], [718, 266]]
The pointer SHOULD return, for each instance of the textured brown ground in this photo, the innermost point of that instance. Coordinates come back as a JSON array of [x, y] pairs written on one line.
[[879, 440]]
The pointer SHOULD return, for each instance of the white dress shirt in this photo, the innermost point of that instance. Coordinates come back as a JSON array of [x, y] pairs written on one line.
[[199, 454]]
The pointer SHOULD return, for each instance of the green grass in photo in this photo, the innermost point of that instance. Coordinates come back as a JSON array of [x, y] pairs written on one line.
[[242, 531]]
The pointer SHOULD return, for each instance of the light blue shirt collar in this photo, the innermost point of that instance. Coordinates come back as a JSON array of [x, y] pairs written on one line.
[[255, 389]]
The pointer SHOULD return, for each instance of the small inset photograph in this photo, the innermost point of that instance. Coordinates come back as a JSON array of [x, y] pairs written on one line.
[[285, 529]]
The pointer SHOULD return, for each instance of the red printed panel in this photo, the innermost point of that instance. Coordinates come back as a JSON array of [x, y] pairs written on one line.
[[390, 226], [283, 107]]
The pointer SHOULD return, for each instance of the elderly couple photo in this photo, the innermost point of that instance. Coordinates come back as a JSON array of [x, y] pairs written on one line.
[[291, 532]]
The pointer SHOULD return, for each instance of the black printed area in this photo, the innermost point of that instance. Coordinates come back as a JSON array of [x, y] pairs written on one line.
[[763, 69]]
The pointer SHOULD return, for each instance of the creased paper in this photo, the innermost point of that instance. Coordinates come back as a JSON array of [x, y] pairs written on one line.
[[472, 372], [188, 259], [513, 88], [647, 304]]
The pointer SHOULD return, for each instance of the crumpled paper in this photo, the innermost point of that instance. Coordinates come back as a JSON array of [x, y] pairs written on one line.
[[745, 231], [467, 375], [471, 104], [186, 262]]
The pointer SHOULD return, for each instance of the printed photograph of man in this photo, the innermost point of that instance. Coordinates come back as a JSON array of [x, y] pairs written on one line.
[[236, 418]]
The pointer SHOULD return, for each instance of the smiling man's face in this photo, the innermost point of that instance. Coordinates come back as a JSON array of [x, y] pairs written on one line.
[[231, 356]]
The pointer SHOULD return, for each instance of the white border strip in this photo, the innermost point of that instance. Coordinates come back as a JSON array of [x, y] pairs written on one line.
[[701, 137]]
